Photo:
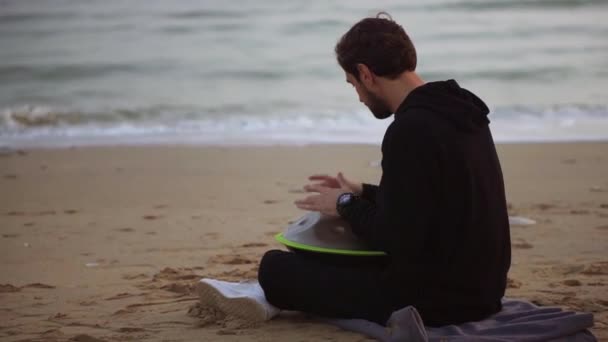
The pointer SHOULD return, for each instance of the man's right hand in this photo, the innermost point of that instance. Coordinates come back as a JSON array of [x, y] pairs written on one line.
[[337, 182]]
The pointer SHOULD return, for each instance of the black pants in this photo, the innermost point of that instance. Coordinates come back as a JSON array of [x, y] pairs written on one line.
[[347, 287]]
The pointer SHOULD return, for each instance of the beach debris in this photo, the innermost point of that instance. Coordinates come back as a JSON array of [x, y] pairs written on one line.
[[91, 264], [520, 221], [26, 244], [596, 189], [375, 163]]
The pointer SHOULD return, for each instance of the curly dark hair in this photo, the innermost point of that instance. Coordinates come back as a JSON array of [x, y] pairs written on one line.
[[379, 43]]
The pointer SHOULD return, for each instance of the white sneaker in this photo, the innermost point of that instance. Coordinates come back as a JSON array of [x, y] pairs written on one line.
[[243, 300]]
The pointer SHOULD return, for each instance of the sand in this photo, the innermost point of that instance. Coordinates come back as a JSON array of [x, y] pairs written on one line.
[[105, 243]]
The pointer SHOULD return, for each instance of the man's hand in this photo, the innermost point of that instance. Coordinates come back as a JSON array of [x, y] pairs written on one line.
[[338, 182], [329, 189]]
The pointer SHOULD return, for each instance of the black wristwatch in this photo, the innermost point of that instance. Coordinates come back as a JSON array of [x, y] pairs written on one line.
[[344, 201]]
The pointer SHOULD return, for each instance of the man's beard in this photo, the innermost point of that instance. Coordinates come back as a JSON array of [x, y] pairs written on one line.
[[377, 106]]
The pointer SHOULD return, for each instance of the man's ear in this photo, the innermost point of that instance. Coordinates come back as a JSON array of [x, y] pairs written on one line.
[[366, 76]]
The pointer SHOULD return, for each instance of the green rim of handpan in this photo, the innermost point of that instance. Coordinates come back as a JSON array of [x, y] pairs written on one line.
[[280, 238]]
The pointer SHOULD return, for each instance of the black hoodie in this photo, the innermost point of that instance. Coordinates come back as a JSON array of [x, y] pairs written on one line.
[[440, 210]]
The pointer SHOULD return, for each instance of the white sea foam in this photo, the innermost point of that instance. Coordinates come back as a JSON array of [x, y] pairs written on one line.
[[47, 127]]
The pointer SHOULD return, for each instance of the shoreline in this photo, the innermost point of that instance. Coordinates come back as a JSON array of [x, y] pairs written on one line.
[[148, 142]]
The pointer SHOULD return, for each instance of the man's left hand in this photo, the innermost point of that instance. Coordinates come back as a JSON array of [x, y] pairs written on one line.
[[324, 201]]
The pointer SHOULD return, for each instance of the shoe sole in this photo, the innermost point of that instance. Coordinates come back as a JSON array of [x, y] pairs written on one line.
[[242, 307]]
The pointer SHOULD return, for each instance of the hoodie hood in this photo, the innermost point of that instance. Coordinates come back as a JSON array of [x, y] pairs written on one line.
[[457, 105]]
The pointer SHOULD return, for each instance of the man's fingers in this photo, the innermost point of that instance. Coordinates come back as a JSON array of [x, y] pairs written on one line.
[[320, 188], [308, 200], [308, 203], [308, 207], [319, 177], [341, 180]]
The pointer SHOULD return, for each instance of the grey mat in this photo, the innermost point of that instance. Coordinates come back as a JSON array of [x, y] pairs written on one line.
[[518, 321]]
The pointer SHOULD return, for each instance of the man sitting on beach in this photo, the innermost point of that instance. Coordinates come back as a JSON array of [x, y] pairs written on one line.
[[439, 211]]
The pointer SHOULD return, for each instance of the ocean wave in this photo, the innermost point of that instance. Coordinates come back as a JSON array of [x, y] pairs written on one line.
[[518, 123]]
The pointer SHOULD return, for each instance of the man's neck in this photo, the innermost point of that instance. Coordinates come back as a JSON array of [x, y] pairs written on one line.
[[398, 89]]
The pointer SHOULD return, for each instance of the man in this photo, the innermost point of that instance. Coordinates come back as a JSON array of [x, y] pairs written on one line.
[[439, 211]]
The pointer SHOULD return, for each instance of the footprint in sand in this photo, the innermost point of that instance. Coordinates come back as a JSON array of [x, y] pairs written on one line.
[[602, 227], [70, 211], [86, 338], [271, 201], [572, 282], [134, 276], [38, 286], [87, 303], [178, 288], [28, 224], [10, 235], [513, 284], [125, 230], [604, 205], [236, 274], [7, 288], [123, 295], [130, 329], [58, 315], [151, 217], [231, 260], [212, 235], [15, 213], [544, 206], [169, 273], [596, 268], [161, 206], [45, 213], [10, 176], [254, 244], [522, 244], [579, 212]]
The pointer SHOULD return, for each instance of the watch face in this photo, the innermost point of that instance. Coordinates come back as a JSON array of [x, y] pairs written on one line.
[[345, 199]]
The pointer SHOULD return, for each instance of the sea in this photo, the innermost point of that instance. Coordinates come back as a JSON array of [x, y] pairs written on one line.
[[110, 72]]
